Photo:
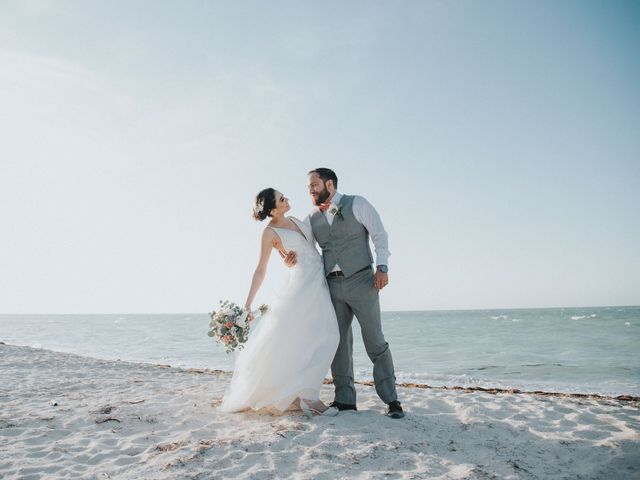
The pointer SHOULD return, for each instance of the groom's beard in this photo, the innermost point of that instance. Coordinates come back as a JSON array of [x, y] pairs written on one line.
[[321, 198]]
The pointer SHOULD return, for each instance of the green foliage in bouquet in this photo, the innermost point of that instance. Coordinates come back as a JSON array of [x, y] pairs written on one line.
[[229, 325]]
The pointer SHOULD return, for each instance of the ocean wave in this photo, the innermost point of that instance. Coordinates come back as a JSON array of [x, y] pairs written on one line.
[[485, 367], [543, 365]]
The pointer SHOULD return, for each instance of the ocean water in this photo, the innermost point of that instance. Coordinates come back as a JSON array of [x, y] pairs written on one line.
[[585, 350]]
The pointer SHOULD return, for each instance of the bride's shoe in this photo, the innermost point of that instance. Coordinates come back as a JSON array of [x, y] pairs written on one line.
[[306, 409], [317, 408], [330, 412]]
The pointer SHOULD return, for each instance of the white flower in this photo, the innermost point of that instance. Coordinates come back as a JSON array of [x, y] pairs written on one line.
[[234, 337], [242, 320]]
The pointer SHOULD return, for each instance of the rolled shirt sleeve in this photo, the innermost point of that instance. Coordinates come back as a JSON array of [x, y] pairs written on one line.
[[368, 216]]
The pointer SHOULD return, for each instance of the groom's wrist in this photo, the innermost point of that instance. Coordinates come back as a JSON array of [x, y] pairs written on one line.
[[383, 268]]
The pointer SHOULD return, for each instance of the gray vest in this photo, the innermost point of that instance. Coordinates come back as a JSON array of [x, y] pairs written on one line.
[[345, 241]]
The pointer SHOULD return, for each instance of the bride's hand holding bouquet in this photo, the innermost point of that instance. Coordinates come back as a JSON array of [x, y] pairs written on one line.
[[230, 325]]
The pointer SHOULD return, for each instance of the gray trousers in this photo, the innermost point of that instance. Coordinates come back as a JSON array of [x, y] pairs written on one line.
[[357, 295]]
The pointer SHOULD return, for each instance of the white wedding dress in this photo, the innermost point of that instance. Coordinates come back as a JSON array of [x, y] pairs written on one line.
[[290, 350]]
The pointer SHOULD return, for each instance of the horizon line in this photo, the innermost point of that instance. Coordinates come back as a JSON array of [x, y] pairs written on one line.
[[383, 311]]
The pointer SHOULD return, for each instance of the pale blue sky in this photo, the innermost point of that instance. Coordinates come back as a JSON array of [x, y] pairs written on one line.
[[499, 140]]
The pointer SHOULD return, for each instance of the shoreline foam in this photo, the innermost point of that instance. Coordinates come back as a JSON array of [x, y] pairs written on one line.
[[491, 390]]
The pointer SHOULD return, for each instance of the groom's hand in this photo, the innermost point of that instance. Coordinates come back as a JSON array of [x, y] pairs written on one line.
[[380, 279], [290, 259]]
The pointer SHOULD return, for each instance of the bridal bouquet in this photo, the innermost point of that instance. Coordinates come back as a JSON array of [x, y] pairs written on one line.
[[229, 324]]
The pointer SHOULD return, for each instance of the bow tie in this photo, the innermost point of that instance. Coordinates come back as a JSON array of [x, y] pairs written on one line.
[[324, 207]]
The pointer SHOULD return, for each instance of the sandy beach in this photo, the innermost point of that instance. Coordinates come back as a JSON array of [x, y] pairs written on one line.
[[67, 416]]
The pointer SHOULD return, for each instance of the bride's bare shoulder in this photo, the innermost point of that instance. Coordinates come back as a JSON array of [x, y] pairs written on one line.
[[269, 235], [268, 232]]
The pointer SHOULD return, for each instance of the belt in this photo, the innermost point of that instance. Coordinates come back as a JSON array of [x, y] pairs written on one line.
[[340, 273]]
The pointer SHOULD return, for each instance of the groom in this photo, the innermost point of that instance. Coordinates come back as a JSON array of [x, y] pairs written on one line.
[[341, 225]]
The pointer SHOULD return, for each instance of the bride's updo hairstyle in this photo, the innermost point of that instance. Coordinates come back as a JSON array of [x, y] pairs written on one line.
[[265, 202]]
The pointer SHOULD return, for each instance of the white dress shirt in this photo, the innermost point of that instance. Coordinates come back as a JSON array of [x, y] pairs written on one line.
[[368, 216]]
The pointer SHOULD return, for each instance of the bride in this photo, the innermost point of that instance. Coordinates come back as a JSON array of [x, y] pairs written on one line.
[[289, 351]]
